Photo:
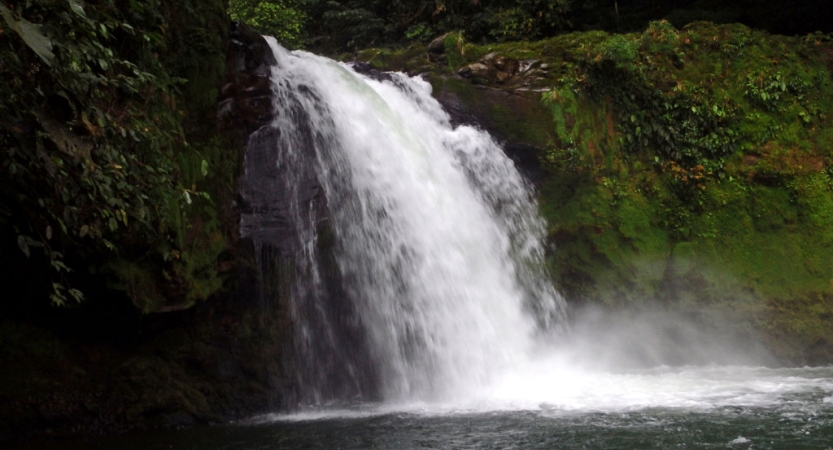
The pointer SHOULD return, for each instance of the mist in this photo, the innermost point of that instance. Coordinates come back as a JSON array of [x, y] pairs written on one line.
[[654, 335]]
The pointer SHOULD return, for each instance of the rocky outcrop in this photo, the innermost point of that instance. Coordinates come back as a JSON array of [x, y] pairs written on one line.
[[436, 50], [265, 196], [511, 73], [245, 102], [498, 93], [215, 362]]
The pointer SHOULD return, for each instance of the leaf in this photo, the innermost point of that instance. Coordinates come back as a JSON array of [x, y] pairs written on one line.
[[57, 297], [113, 224], [24, 246], [108, 244], [84, 231], [77, 8], [60, 266], [31, 35], [204, 167], [48, 232], [77, 295]]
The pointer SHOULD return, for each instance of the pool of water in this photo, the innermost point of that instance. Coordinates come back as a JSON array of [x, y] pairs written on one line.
[[661, 408]]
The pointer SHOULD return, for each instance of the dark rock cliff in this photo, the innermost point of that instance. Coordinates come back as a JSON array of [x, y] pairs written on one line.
[[284, 222]]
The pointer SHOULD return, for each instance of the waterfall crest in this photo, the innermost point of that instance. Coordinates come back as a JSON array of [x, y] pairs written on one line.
[[435, 235]]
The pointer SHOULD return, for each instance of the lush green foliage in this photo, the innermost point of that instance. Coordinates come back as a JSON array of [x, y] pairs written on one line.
[[348, 25], [338, 25], [352, 25], [530, 19], [283, 19], [95, 157]]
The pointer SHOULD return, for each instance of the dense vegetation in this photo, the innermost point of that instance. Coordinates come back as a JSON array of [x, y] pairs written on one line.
[[107, 143], [699, 162], [116, 192], [347, 25]]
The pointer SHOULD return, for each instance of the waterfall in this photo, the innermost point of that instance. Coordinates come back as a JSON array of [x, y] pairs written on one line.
[[434, 233]]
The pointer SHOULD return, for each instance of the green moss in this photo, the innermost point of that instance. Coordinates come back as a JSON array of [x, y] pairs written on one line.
[[457, 51], [746, 227], [814, 197]]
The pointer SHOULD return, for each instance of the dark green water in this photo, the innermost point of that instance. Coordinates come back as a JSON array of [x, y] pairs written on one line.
[[663, 408], [726, 428]]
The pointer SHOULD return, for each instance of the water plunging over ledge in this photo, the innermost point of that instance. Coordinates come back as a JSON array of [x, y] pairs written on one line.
[[435, 235]]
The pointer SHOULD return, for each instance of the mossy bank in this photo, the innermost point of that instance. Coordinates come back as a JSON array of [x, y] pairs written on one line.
[[683, 170]]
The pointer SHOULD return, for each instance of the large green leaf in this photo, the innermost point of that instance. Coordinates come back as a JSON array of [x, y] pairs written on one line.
[[31, 35]]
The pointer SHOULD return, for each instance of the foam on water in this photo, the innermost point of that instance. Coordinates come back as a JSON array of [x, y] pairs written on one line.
[[692, 388], [547, 387]]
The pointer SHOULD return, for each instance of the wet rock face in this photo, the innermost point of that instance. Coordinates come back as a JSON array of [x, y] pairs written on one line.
[[246, 107], [369, 71], [283, 215], [245, 102]]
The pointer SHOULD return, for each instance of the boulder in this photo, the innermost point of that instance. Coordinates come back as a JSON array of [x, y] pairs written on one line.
[[492, 68], [478, 73], [436, 49]]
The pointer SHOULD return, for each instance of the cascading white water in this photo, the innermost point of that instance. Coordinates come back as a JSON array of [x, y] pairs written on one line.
[[436, 232]]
